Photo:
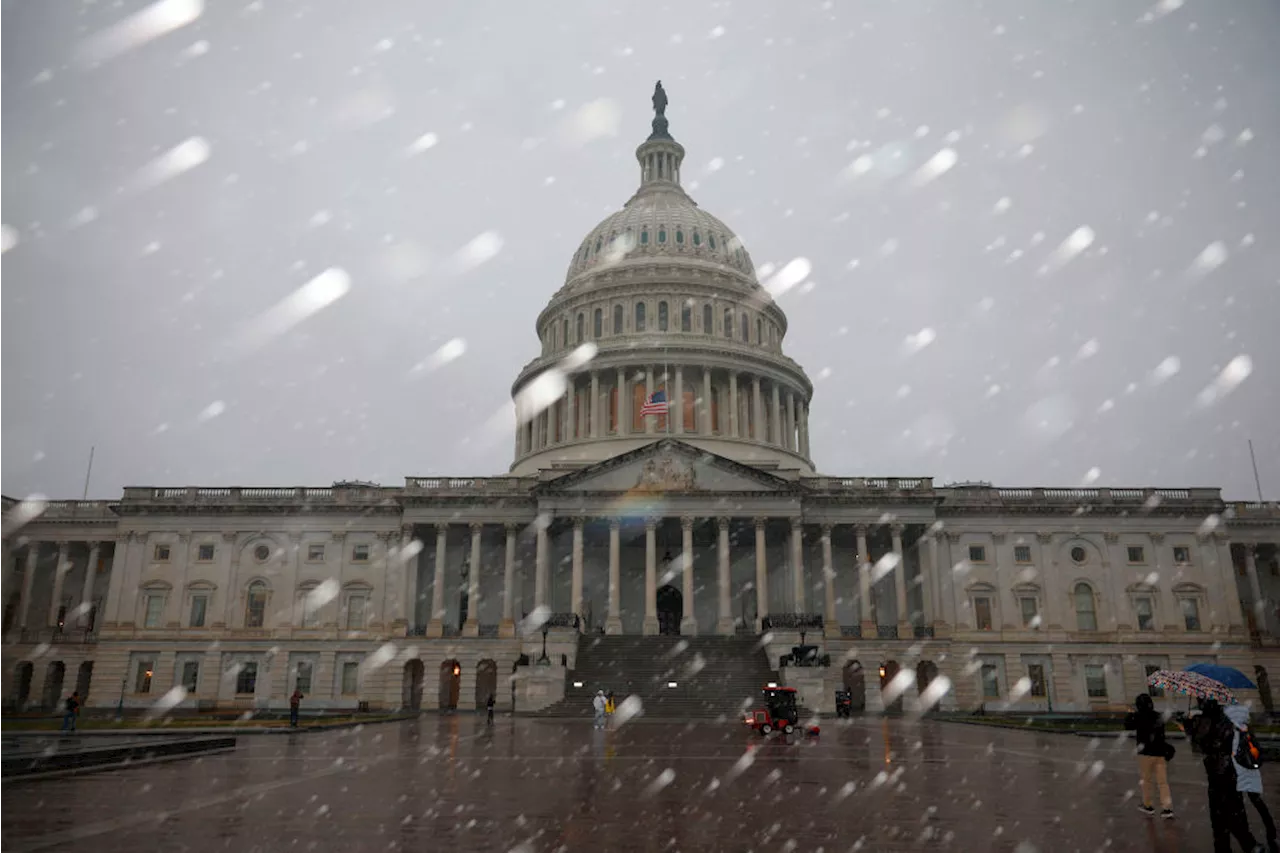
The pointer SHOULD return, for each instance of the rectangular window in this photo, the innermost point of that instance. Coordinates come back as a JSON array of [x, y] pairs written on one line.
[[204, 553], [1095, 681], [1191, 614], [707, 325], [359, 553], [1146, 613], [155, 611], [1030, 611], [247, 678], [161, 553], [355, 612], [977, 553], [1153, 691], [315, 553], [190, 675], [1137, 554], [1022, 553], [310, 611], [982, 613], [1035, 674], [1181, 555], [142, 678], [990, 681], [662, 317], [350, 677], [686, 318], [199, 607], [302, 681]]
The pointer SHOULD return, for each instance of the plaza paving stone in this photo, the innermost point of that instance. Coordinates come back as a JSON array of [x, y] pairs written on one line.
[[454, 783]]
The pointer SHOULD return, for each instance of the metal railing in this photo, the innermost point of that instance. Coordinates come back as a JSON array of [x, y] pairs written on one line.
[[792, 621], [923, 632], [852, 632], [887, 632]]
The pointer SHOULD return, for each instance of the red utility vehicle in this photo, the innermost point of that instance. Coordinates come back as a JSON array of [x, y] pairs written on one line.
[[780, 713]]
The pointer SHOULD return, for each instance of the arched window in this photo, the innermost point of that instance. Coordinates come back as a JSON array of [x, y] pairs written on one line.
[[662, 235], [639, 316], [706, 319], [1086, 615], [644, 237], [564, 332], [711, 240], [745, 325], [728, 323], [599, 243], [663, 319], [597, 324], [680, 236], [617, 319], [255, 605], [759, 331], [686, 318], [582, 326], [697, 239]]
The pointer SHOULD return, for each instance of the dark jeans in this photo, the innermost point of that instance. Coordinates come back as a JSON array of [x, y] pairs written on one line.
[[1265, 814], [491, 715], [293, 717], [1227, 817], [69, 721]]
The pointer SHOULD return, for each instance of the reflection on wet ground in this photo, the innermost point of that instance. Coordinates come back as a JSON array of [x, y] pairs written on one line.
[[454, 783]]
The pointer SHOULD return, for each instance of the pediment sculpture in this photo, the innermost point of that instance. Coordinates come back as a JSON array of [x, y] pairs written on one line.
[[667, 474]]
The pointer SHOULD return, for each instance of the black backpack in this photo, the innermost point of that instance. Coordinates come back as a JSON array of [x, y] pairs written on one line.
[[1248, 755]]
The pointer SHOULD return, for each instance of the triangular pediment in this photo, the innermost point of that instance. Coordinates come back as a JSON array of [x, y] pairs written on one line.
[[668, 466]]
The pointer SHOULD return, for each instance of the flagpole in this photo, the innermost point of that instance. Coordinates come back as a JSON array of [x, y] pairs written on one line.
[[1256, 480], [666, 384]]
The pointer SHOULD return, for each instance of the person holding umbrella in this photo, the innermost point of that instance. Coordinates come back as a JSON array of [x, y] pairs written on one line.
[[1249, 779], [1214, 735]]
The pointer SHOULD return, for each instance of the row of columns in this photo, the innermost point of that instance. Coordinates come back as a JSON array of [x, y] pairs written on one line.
[[787, 425], [59, 576]]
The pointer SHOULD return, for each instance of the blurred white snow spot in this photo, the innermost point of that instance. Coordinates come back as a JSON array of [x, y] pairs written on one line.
[[1002, 205], [365, 107], [558, 104], [1166, 369], [1075, 243], [450, 351], [166, 703], [716, 32], [1210, 258], [8, 238], [1095, 770], [544, 391], [423, 143], [1091, 476], [903, 392], [884, 566], [138, 29], [860, 166], [1211, 523], [788, 277], [1088, 349], [1051, 417], [939, 687], [1152, 578], [533, 623], [663, 779], [716, 164], [324, 592], [1245, 137], [1020, 688], [993, 390], [320, 217], [1107, 405], [183, 157], [937, 165], [617, 250], [29, 509], [1236, 371], [212, 410], [384, 45], [595, 120], [628, 709], [381, 656], [483, 247], [318, 293], [404, 261], [1164, 7], [199, 48], [921, 339]]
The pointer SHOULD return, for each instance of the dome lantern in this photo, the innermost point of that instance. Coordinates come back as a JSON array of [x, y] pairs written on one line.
[[660, 155]]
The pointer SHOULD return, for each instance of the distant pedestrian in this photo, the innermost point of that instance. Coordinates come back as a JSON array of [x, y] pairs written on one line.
[[295, 703], [1213, 734], [598, 704], [1249, 779], [489, 705], [1153, 752], [72, 711], [609, 708]]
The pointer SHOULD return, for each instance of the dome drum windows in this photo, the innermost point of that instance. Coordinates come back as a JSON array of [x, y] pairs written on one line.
[[640, 318], [708, 326], [662, 234], [582, 326], [617, 319], [728, 323], [663, 318], [746, 329], [597, 324], [697, 239], [679, 237], [686, 317], [644, 237]]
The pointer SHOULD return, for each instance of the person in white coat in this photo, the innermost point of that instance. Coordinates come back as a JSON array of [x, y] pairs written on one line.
[[1249, 781], [598, 704]]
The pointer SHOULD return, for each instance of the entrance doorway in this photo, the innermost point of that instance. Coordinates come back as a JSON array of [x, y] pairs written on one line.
[[413, 675], [450, 684], [670, 609], [486, 682], [22, 684], [888, 671], [53, 678], [83, 680], [855, 681]]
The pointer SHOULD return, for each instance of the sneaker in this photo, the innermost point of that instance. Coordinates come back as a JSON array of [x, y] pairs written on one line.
[[1147, 810], [1167, 814]]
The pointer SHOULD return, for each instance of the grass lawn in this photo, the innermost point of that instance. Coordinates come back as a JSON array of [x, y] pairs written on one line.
[[105, 724]]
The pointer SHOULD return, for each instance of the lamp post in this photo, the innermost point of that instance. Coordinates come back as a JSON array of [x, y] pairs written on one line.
[[120, 705], [544, 660]]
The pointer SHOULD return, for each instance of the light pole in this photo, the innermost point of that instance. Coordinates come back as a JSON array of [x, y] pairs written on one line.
[[120, 705], [544, 660]]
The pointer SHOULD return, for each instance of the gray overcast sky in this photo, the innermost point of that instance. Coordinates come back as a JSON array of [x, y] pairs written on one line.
[[804, 124]]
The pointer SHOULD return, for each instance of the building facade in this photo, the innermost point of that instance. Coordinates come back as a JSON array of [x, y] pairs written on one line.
[[707, 517]]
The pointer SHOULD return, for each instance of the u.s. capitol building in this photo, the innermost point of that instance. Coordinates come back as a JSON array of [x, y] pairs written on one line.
[[711, 520]]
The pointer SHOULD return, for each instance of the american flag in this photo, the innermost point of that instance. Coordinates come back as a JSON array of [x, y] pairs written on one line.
[[655, 405]]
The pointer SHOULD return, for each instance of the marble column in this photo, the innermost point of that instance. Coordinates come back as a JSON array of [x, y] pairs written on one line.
[[649, 421], [724, 624], [776, 435], [762, 574], [624, 425], [541, 564], [689, 622], [832, 625], [930, 581], [59, 576], [1255, 589], [864, 584], [435, 627], [28, 583], [575, 588], [707, 426], [734, 430], [757, 411], [792, 422], [571, 410], [594, 408], [650, 626], [900, 584], [676, 409], [407, 558], [804, 429], [613, 624], [797, 565], [90, 577], [471, 627], [507, 628]]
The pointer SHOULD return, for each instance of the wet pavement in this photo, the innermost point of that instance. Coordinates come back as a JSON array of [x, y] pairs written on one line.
[[453, 783]]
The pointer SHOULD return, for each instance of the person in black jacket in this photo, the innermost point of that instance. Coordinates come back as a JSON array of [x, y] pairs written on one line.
[[1213, 734], [1153, 752]]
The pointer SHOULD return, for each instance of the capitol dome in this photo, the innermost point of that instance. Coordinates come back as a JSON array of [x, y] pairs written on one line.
[[667, 296]]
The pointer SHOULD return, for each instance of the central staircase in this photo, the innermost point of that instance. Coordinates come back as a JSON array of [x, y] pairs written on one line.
[[714, 677]]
